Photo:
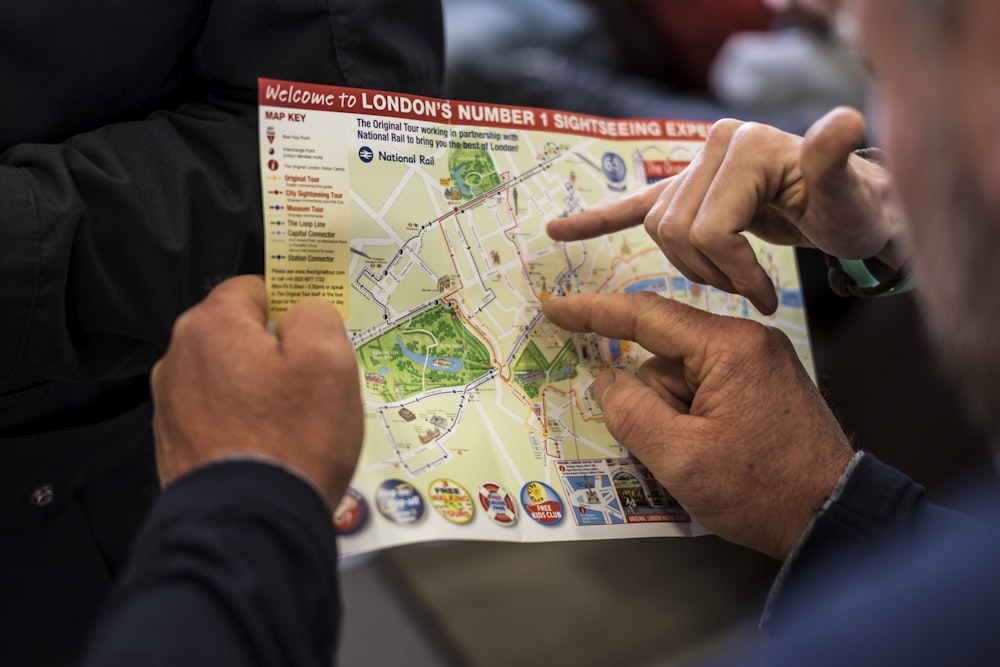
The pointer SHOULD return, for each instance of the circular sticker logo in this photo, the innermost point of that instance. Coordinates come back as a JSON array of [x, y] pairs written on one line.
[[497, 504], [542, 503], [399, 502], [366, 154], [613, 167], [351, 514], [451, 501]]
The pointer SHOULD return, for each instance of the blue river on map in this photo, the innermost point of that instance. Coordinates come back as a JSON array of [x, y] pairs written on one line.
[[454, 364], [788, 298]]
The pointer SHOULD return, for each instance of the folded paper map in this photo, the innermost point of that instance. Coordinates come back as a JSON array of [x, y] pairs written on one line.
[[423, 221]]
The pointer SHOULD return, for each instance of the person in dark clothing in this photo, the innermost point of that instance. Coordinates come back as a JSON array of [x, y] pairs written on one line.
[[787, 482], [723, 414], [129, 187], [237, 564]]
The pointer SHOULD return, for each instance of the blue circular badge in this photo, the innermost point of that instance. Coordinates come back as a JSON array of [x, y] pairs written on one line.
[[613, 166], [366, 154], [542, 503], [399, 501]]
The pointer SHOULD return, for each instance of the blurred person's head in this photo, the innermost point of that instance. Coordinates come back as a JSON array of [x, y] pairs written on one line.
[[936, 69]]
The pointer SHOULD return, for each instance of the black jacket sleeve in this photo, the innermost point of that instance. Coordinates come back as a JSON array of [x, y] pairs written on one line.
[[875, 512], [111, 231], [236, 565]]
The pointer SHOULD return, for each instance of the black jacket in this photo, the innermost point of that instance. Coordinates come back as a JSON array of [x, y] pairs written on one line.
[[129, 186], [236, 566]]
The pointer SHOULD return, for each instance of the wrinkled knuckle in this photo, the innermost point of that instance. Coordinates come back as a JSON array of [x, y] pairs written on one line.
[[644, 301], [652, 222], [749, 129], [668, 229], [779, 340], [723, 128], [700, 235], [626, 424], [768, 340], [751, 137], [191, 325], [647, 308]]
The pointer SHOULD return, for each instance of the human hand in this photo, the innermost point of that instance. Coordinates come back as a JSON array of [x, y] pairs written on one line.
[[806, 191], [227, 387], [724, 415]]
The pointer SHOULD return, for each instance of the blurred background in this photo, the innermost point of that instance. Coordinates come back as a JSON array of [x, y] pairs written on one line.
[[657, 602]]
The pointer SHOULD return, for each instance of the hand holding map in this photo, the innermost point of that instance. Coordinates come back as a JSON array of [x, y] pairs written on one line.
[[424, 221]]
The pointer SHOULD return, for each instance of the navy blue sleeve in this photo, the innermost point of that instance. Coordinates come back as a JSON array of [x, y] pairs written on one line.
[[930, 599], [235, 566], [874, 507]]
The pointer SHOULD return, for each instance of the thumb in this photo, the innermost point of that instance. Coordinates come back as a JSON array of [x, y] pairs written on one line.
[[845, 193], [634, 413], [827, 146]]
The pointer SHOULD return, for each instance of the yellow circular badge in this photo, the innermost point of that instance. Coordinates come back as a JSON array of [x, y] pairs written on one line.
[[451, 501], [535, 492]]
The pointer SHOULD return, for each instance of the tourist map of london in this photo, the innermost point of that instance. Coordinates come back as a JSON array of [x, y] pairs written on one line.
[[423, 221]]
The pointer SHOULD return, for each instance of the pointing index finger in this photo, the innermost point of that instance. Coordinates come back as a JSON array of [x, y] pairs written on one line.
[[666, 328], [628, 211]]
